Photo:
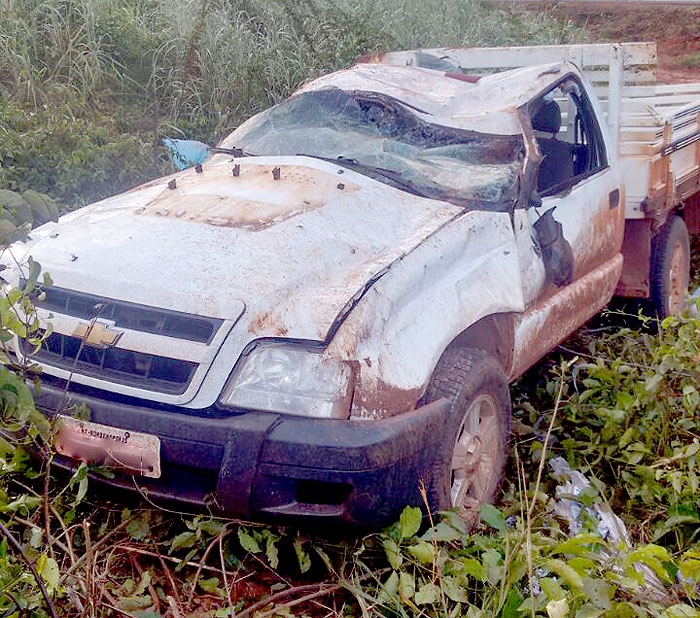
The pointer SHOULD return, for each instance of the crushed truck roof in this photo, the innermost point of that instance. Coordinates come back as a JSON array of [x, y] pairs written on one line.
[[488, 103]]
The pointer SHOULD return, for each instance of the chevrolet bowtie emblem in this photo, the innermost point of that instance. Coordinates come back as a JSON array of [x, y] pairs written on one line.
[[97, 334]]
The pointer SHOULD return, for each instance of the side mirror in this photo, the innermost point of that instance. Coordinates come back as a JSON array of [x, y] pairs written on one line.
[[557, 254]]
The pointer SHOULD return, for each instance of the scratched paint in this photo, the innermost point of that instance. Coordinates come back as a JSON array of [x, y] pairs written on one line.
[[253, 200], [289, 275]]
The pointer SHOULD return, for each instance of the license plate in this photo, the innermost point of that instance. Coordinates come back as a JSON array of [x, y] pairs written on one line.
[[101, 445]]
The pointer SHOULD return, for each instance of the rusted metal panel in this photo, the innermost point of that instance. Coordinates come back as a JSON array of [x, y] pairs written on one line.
[[636, 252], [549, 321], [255, 201]]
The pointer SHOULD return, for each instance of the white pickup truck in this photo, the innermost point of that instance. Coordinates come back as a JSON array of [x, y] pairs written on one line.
[[327, 312]]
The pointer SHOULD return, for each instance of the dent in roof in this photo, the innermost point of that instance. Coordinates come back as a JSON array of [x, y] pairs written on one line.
[[490, 105]]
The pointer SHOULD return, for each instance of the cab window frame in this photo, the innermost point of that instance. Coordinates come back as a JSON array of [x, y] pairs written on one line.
[[587, 137]]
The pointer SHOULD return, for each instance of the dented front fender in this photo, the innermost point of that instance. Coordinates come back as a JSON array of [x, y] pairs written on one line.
[[466, 270]]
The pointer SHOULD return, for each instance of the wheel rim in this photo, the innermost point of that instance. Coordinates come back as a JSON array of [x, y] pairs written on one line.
[[678, 280], [476, 453]]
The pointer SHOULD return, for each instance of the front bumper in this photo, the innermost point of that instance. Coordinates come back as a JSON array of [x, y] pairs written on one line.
[[272, 467]]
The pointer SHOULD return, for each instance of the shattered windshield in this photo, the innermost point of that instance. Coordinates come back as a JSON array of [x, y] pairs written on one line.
[[380, 137]]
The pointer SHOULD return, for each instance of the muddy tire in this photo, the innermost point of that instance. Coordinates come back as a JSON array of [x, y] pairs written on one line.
[[472, 455], [670, 268]]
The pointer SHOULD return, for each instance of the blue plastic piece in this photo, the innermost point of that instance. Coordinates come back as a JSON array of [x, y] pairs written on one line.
[[186, 152]]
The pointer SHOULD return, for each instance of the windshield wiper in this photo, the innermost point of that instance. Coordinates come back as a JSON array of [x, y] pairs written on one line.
[[235, 152], [396, 178]]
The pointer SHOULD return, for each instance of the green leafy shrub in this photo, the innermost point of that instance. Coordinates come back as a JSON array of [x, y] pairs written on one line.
[[74, 160], [633, 415], [512, 570], [26, 565]]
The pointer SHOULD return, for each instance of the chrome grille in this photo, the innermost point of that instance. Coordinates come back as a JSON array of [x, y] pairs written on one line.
[[147, 371], [117, 365], [130, 315]]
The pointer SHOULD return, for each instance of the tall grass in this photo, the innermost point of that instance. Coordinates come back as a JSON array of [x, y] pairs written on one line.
[[237, 58], [54, 50], [206, 65], [87, 85]]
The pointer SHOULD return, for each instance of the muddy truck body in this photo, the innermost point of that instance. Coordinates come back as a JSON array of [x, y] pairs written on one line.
[[325, 314]]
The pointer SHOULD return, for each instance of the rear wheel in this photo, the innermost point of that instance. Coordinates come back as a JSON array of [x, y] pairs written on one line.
[[670, 268], [472, 455]]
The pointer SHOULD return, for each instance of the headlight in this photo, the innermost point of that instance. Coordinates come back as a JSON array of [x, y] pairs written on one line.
[[291, 379]]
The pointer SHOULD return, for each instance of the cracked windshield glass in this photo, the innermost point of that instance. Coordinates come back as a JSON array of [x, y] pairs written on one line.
[[382, 138]]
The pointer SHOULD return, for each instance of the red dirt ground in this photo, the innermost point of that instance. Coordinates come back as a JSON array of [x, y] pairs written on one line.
[[675, 27]]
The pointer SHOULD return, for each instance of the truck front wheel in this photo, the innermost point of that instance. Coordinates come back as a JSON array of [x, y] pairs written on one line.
[[472, 454], [670, 267]]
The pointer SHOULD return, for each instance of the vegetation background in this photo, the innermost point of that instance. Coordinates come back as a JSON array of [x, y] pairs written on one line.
[[87, 90], [89, 87]]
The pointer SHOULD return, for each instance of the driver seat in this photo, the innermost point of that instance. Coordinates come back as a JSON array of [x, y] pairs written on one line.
[[557, 165]]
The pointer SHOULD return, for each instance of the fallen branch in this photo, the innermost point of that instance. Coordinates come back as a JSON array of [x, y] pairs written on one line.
[[314, 591]]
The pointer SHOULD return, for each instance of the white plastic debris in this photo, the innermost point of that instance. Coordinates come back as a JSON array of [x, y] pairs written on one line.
[[573, 484], [609, 526]]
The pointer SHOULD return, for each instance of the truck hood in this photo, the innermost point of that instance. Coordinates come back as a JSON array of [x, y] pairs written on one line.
[[291, 239]]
